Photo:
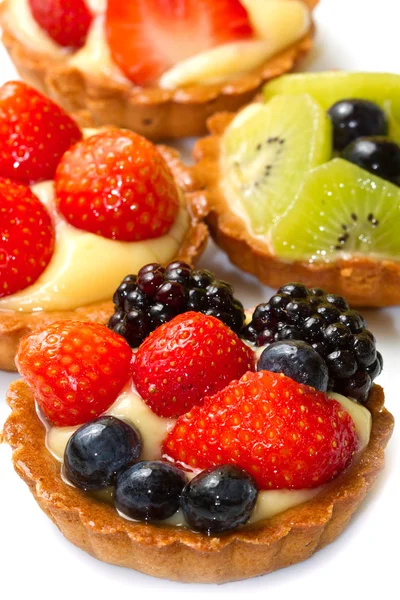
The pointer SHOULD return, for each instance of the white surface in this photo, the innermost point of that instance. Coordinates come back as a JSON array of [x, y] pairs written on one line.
[[363, 562]]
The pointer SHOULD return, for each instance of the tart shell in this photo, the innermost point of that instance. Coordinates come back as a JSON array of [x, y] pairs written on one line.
[[14, 325], [363, 281], [153, 112], [180, 554]]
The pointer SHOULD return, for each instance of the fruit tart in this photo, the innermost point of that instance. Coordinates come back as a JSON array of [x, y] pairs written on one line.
[[305, 185], [78, 210], [158, 67], [193, 452]]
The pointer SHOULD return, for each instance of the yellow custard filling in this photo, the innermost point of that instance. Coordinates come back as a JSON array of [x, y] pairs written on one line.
[[130, 406], [277, 24], [87, 268]]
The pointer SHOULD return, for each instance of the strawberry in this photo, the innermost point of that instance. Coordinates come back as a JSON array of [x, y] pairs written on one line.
[[34, 133], [26, 237], [147, 37], [117, 184], [66, 21], [185, 359], [287, 435], [76, 370]]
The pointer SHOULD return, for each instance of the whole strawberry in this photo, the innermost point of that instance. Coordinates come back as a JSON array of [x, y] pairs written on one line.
[[287, 435], [65, 21], [116, 184], [26, 237], [34, 133], [185, 359], [76, 370]]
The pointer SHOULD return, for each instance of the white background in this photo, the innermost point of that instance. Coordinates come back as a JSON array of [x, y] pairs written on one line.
[[364, 562]]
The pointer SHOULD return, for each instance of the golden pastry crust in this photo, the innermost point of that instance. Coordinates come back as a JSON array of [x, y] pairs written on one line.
[[363, 281], [14, 325], [153, 112], [180, 554]]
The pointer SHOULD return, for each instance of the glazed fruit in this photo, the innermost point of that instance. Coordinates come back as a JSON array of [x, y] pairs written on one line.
[[331, 86], [249, 422], [157, 294], [98, 451], [26, 238], [259, 147], [377, 155], [144, 45], [219, 499], [76, 370], [34, 133], [142, 206], [354, 118], [184, 360], [341, 210], [149, 491], [323, 320], [297, 360], [67, 23]]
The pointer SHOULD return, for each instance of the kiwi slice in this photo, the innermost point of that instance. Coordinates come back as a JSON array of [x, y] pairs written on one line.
[[329, 87], [341, 210], [266, 153]]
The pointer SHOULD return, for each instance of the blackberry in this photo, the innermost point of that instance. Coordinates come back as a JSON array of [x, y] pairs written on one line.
[[156, 295], [324, 321]]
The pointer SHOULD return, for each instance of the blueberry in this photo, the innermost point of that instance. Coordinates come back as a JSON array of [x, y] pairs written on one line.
[[376, 155], [149, 490], [219, 499], [353, 118], [99, 450], [297, 360]]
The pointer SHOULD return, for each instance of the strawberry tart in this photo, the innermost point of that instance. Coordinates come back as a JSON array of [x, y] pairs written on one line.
[[78, 210], [205, 448], [159, 68]]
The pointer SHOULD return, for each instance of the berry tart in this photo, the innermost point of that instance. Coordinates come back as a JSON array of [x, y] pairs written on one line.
[[159, 68], [196, 453], [305, 185], [78, 210]]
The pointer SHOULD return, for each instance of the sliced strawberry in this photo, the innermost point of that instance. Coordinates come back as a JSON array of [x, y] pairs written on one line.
[[287, 435], [34, 133], [185, 359], [65, 21], [147, 37], [76, 370], [26, 237], [117, 184]]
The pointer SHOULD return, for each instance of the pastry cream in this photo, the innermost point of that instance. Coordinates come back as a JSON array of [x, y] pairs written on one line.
[[85, 267], [277, 25], [153, 429]]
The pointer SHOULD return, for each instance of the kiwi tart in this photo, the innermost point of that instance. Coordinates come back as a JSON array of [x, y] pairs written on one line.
[[304, 184]]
